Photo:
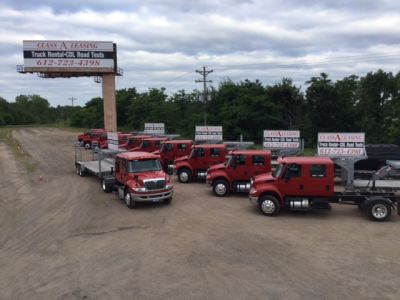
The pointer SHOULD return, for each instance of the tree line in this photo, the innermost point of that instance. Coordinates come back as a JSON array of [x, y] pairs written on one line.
[[369, 104]]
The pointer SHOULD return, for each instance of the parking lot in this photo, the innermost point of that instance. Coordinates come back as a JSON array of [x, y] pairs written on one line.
[[61, 237]]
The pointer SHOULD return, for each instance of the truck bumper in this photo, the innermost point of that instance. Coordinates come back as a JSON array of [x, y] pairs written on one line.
[[253, 200], [152, 197]]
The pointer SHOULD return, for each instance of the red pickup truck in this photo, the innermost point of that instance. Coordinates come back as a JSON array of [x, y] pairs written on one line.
[[93, 135], [236, 172], [195, 165]]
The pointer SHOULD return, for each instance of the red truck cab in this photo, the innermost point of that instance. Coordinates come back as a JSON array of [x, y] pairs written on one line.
[[171, 150], [92, 135], [150, 144], [298, 183], [134, 141], [139, 177], [195, 165], [122, 140], [236, 172]]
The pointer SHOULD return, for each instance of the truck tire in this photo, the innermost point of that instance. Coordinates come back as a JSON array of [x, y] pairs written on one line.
[[107, 188], [379, 211], [269, 205], [221, 188], [87, 146], [130, 203], [184, 175]]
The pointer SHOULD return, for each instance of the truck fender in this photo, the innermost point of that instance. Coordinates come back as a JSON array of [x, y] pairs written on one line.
[[182, 166], [272, 190], [219, 176], [371, 199]]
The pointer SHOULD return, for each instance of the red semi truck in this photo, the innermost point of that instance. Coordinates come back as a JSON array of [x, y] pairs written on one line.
[[171, 150], [195, 165], [235, 173], [308, 184], [137, 176]]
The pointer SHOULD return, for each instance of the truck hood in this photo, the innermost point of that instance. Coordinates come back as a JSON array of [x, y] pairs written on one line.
[[216, 167], [145, 176], [264, 178], [182, 159]]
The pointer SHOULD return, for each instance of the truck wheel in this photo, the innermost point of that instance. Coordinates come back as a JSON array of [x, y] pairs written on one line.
[[168, 200], [184, 175], [107, 188], [221, 188], [379, 211], [87, 146], [269, 205], [130, 203]]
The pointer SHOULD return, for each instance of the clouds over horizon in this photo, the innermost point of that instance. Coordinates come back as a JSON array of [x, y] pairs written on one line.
[[158, 41]]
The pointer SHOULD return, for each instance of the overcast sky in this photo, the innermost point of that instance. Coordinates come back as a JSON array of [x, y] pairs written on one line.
[[161, 43]]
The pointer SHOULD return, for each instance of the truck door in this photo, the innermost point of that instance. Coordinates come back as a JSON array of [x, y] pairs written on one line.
[[292, 182], [124, 170], [214, 157], [257, 165], [318, 183], [199, 161], [117, 166], [239, 170]]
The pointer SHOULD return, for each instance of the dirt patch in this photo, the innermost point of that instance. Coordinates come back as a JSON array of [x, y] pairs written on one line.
[[61, 237]]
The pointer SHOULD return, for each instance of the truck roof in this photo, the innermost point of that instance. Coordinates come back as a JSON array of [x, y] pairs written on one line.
[[156, 139], [137, 155], [251, 152], [306, 160], [207, 146]]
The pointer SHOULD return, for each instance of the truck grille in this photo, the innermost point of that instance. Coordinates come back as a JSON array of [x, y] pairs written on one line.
[[154, 184]]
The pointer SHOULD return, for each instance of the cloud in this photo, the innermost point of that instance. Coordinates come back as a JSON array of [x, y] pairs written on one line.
[[161, 40]]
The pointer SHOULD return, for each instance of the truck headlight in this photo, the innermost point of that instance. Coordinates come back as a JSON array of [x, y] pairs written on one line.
[[142, 189]]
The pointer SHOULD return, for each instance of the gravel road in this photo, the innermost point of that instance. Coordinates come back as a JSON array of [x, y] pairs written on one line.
[[61, 237]]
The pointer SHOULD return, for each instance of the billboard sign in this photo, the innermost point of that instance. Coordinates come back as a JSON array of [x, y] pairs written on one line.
[[208, 133], [112, 139], [281, 139], [339, 144], [154, 128], [68, 56]]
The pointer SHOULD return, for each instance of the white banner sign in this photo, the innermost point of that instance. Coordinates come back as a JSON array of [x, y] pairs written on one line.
[[154, 128], [208, 133], [337, 144], [281, 139], [112, 139], [68, 54]]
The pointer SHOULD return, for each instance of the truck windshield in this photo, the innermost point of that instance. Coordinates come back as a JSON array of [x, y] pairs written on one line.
[[278, 171], [137, 166], [145, 144]]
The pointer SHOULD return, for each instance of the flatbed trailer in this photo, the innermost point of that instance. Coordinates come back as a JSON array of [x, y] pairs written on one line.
[[99, 163]]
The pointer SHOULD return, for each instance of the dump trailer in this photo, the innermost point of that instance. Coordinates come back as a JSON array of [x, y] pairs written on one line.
[[308, 184]]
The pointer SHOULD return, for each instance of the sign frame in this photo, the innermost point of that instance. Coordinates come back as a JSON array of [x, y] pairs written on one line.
[[341, 144], [208, 133], [281, 139]]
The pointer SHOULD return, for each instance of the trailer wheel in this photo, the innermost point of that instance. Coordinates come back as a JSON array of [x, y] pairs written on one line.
[[184, 175], [87, 146], [81, 171], [269, 205], [379, 211], [107, 188], [130, 203], [221, 188]]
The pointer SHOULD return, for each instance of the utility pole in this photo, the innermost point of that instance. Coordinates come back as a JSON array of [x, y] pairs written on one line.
[[204, 73], [72, 100]]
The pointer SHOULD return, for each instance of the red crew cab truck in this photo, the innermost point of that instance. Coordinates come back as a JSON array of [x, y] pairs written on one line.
[[195, 165], [134, 141], [307, 184], [138, 177], [235, 173], [93, 135], [171, 150], [151, 144]]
